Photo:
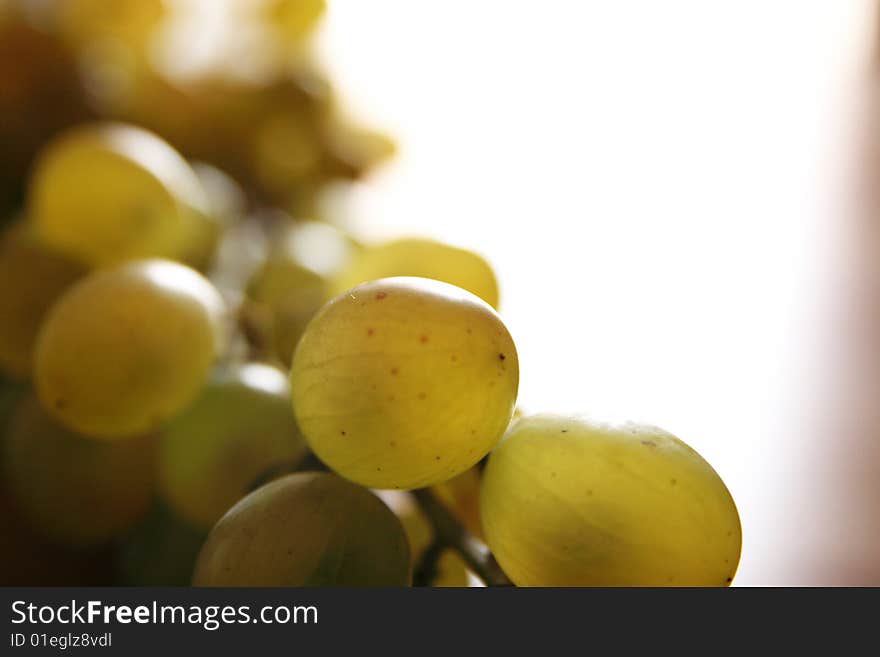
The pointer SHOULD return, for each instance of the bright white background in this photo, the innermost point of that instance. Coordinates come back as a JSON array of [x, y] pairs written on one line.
[[658, 185]]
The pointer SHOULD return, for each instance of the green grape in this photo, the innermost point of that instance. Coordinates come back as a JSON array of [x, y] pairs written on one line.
[[31, 278], [306, 529], [291, 286], [211, 454], [110, 192], [423, 258], [160, 551], [77, 491], [125, 349], [28, 558], [404, 382], [569, 502]]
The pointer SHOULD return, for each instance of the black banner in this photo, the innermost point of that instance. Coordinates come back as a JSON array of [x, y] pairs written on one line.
[[150, 621]]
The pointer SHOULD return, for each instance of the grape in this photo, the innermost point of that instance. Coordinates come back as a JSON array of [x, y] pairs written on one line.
[[226, 205], [451, 569], [306, 529], [240, 426], [291, 286], [132, 22], [461, 495], [570, 502], [404, 382], [110, 192], [125, 349], [77, 491], [160, 551], [39, 95], [423, 258], [31, 278]]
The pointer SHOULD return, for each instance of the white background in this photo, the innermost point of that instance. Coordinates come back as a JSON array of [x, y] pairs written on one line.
[[659, 186]]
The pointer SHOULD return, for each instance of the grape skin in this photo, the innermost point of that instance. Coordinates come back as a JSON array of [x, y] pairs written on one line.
[[109, 192], [423, 258], [306, 529], [240, 426], [125, 349], [404, 382], [569, 502]]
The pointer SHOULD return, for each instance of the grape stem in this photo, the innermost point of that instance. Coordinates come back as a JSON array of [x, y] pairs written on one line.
[[450, 533]]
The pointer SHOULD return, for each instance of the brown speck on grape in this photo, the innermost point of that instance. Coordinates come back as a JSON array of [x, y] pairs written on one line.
[[673, 481], [649, 443], [381, 295], [423, 339], [370, 332], [394, 371], [422, 395], [590, 492], [436, 458], [729, 580], [469, 331], [564, 431], [501, 356], [454, 358], [342, 432]]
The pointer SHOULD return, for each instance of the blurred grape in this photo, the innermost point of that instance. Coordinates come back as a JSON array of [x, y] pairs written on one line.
[[32, 277], [306, 529], [149, 202], [74, 490], [241, 425], [423, 258]]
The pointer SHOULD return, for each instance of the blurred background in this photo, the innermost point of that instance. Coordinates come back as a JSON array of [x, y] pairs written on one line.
[[678, 199]]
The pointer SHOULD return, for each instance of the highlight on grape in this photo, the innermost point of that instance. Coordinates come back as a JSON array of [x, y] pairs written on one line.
[[207, 379]]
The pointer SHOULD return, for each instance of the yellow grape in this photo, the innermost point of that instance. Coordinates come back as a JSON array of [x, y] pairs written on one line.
[[569, 502], [240, 426], [404, 382], [75, 490], [306, 529], [31, 278], [461, 495], [291, 286], [110, 192], [125, 349], [423, 258], [130, 22], [293, 19], [451, 569]]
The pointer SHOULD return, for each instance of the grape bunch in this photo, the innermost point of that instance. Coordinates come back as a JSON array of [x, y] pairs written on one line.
[[206, 379]]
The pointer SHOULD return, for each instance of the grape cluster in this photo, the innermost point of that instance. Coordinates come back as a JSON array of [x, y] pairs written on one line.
[[204, 380]]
